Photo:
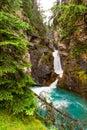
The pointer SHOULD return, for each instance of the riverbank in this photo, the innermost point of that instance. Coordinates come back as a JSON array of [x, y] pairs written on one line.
[[10, 122]]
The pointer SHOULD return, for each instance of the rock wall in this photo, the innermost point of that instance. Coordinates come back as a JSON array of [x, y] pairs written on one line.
[[39, 54], [71, 36], [74, 64], [42, 61]]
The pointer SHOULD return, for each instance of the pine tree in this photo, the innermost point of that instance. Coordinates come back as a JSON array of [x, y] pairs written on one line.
[[15, 96], [69, 17], [30, 10]]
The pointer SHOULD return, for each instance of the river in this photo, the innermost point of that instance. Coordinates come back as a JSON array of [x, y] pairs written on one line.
[[62, 99], [74, 105]]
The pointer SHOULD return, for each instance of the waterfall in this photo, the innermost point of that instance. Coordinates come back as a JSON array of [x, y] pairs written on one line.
[[57, 63], [46, 5], [57, 69], [60, 2]]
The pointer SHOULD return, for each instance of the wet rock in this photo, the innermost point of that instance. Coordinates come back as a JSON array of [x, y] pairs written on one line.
[[52, 77], [42, 62]]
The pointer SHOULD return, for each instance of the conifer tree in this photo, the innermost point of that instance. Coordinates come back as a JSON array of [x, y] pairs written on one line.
[[15, 96], [30, 10], [71, 19]]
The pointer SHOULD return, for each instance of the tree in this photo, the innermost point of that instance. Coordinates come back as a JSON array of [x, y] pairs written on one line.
[[69, 17], [15, 96], [30, 10]]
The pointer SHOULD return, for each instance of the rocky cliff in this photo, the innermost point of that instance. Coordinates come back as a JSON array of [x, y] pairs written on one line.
[[71, 37], [42, 61], [40, 45], [75, 68], [73, 49]]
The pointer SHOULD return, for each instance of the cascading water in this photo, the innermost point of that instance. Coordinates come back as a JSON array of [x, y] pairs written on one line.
[[60, 2], [57, 70], [76, 106], [57, 64]]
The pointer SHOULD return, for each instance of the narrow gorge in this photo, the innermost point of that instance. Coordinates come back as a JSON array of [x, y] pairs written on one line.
[[72, 50], [74, 66], [43, 58]]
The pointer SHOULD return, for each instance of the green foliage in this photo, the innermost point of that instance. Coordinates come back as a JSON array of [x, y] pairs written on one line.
[[68, 17], [82, 77], [81, 48], [15, 96], [30, 10], [10, 5], [9, 21], [70, 20], [12, 21], [10, 122]]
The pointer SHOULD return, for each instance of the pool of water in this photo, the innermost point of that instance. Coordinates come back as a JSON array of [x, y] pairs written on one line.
[[75, 105]]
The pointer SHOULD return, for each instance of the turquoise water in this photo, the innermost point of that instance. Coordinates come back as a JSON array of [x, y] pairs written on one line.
[[65, 101], [75, 105]]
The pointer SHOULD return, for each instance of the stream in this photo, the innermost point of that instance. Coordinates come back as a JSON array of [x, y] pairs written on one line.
[[62, 99]]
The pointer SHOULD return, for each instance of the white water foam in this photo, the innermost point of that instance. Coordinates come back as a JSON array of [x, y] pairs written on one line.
[[81, 105], [47, 89], [57, 63], [60, 2], [61, 104], [57, 69]]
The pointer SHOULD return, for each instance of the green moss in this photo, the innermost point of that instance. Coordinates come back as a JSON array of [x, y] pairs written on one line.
[[9, 122], [80, 48], [82, 75], [46, 57]]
